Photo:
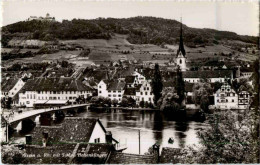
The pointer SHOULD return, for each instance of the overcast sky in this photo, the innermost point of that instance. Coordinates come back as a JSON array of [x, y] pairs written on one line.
[[238, 17]]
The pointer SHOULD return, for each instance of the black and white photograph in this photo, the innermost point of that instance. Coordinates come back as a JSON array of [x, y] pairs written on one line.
[[130, 82]]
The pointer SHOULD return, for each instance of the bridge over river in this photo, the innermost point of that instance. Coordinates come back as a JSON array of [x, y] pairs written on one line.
[[37, 115]]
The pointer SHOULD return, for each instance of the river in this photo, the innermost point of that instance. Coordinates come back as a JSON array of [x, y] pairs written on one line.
[[154, 126]]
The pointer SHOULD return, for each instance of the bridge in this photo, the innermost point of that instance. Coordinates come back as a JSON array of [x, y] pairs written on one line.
[[38, 115], [37, 112]]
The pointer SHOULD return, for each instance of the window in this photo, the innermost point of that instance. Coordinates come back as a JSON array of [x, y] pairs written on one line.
[[114, 95], [217, 100], [54, 92], [226, 100], [147, 88], [151, 93], [109, 95], [99, 91], [180, 61], [149, 98], [141, 93], [54, 98], [145, 93], [144, 88], [119, 95], [27, 102], [233, 101], [109, 91], [97, 140], [114, 91], [70, 98], [119, 91], [228, 94], [99, 86], [50, 98]]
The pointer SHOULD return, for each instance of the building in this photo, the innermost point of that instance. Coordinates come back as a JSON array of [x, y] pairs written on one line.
[[46, 18], [210, 76], [144, 93], [72, 141], [139, 78], [243, 99], [181, 54], [11, 86], [226, 97], [52, 91], [111, 89]]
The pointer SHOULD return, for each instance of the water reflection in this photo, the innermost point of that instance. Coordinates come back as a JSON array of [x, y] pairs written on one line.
[[154, 127]]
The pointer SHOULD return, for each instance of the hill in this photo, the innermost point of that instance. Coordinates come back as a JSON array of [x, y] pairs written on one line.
[[140, 30]]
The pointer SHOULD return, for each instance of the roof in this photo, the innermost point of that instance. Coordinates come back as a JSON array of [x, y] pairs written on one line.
[[208, 74], [124, 158], [130, 79], [80, 130], [55, 84], [130, 91], [114, 84], [181, 45], [8, 84]]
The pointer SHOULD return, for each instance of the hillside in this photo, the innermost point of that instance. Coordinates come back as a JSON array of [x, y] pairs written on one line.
[[140, 30]]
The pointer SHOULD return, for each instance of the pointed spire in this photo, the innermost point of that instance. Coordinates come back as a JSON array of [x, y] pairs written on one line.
[[181, 45]]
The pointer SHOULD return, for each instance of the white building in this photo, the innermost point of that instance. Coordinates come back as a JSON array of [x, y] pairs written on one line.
[[111, 89], [52, 91], [181, 54], [11, 86], [210, 76], [144, 93], [226, 97]]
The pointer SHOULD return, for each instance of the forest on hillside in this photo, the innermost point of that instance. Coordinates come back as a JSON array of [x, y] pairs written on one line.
[[140, 30]]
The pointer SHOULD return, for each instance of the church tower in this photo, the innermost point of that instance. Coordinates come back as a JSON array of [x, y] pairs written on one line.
[[181, 54]]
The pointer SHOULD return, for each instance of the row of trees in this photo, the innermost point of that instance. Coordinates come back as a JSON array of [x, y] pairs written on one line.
[[168, 99]]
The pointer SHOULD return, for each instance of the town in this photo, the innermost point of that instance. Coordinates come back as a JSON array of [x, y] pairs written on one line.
[[46, 85]]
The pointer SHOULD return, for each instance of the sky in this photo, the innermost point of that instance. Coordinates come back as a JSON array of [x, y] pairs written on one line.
[[240, 17]]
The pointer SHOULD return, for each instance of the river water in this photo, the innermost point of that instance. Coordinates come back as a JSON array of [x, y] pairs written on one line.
[[154, 126]]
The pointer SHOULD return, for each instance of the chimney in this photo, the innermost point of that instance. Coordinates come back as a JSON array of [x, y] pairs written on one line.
[[28, 139], [109, 137], [156, 151]]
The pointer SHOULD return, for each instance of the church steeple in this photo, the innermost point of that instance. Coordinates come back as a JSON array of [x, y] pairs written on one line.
[[181, 45]]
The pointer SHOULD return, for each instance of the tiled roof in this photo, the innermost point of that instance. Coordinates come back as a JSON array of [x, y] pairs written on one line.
[[130, 79], [114, 84], [208, 74], [73, 129], [124, 158], [130, 91], [8, 84], [55, 84]]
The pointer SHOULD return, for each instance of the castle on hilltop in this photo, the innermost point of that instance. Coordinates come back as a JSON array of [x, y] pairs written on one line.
[[46, 18]]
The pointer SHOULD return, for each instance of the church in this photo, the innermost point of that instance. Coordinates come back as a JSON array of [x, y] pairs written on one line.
[[181, 59]]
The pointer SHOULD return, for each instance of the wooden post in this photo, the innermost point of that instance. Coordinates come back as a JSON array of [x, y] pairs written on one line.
[[139, 142]]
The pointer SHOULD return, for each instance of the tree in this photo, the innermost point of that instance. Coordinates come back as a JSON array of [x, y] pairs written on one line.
[[157, 84], [114, 102], [124, 102], [180, 86], [141, 104], [64, 64], [201, 94], [226, 140], [169, 100]]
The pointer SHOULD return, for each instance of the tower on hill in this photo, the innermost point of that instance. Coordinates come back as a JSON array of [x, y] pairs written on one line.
[[181, 54]]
